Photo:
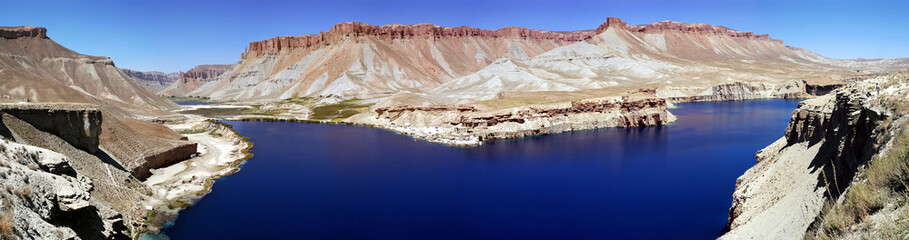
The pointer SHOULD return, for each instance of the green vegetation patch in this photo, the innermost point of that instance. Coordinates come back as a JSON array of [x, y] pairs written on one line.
[[339, 111], [216, 112]]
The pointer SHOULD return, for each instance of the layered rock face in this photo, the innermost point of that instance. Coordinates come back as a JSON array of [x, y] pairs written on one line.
[[81, 170], [65, 192], [154, 81], [467, 125], [22, 32], [353, 30], [361, 60], [462, 64], [77, 124], [826, 142], [682, 60]]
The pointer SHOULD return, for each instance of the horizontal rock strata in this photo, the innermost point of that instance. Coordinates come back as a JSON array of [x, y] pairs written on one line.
[[467, 125], [398, 31], [77, 124]]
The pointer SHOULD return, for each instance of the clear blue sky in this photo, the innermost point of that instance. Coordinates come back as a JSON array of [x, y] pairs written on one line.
[[177, 35]]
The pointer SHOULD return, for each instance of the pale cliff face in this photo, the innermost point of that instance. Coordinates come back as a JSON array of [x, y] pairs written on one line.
[[826, 145]]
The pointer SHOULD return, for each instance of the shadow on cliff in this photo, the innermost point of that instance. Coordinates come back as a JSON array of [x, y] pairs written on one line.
[[88, 224], [848, 143], [106, 158]]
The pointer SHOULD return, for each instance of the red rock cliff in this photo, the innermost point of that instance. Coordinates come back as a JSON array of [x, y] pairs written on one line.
[[205, 71], [669, 26], [398, 31]]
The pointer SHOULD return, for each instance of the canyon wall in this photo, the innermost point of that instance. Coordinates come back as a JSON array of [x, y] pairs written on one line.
[[826, 143], [77, 124]]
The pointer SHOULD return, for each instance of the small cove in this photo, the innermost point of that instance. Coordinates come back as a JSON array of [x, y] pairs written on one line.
[[321, 181]]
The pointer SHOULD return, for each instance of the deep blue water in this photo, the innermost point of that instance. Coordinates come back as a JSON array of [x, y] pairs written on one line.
[[318, 181], [191, 103]]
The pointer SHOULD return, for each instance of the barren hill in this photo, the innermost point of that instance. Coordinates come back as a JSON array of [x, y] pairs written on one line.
[[34, 68]]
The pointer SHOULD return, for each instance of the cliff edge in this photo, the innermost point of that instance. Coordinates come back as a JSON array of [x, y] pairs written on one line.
[[827, 148]]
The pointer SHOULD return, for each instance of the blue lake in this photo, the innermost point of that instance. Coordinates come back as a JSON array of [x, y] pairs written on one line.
[[318, 181]]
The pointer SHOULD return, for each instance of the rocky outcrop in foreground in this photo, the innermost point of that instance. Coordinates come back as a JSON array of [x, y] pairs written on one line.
[[67, 174], [826, 144]]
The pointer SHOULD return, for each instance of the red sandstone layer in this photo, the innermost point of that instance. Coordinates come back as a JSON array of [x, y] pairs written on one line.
[[398, 31]]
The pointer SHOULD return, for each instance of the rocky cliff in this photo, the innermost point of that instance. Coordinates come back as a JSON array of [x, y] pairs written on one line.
[[77, 124], [23, 32], [353, 30], [468, 125], [669, 26], [75, 171], [827, 142]]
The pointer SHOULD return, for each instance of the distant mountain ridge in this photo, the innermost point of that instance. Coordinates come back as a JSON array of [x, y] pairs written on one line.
[[153, 80], [160, 82], [448, 65]]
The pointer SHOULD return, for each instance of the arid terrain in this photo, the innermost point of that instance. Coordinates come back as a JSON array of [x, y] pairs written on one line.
[[93, 151]]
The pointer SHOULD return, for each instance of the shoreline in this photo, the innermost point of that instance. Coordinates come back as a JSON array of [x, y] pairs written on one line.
[[222, 151], [401, 130], [179, 186]]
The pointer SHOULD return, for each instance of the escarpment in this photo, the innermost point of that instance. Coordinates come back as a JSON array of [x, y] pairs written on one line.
[[77, 124], [23, 31], [827, 141], [353, 30], [695, 28], [208, 71]]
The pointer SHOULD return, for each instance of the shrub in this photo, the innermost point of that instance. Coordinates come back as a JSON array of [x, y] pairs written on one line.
[[6, 226]]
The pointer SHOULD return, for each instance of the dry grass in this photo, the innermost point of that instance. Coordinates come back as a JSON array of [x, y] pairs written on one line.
[[6, 226], [6, 220], [886, 182], [24, 192]]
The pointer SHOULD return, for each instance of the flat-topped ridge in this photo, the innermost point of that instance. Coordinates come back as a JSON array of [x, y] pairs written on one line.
[[400, 31], [696, 28], [23, 31]]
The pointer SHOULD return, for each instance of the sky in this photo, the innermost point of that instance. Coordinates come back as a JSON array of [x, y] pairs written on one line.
[[173, 36]]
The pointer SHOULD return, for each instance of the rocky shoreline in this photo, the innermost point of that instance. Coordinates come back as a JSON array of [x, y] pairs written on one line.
[[222, 151], [826, 146], [63, 183]]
